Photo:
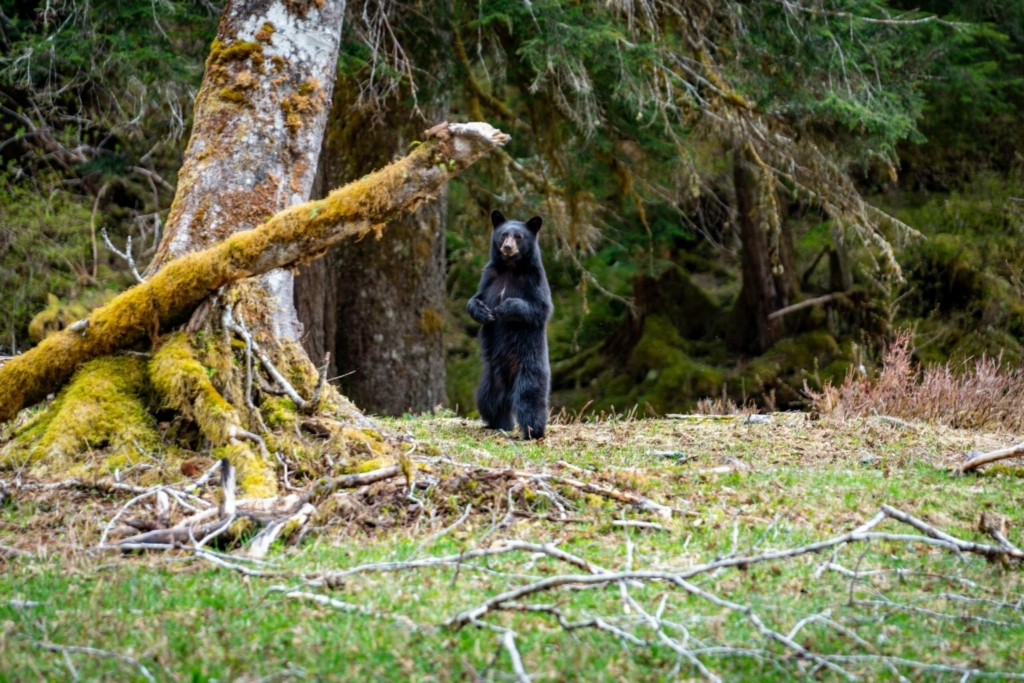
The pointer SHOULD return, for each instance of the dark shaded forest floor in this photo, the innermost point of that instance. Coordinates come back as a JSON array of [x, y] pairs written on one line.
[[886, 608]]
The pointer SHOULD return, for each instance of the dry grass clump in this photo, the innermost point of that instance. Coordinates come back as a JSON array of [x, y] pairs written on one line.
[[726, 406], [982, 393]]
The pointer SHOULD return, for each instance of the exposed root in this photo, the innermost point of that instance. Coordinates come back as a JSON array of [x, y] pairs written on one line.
[[105, 422], [239, 328], [256, 475], [183, 384]]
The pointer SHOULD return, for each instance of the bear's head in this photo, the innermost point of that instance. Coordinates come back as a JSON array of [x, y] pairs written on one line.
[[514, 243]]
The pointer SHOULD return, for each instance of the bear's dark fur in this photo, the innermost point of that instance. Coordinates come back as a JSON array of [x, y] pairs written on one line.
[[513, 304]]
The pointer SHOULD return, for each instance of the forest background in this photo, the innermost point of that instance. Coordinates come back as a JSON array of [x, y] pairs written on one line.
[[700, 174]]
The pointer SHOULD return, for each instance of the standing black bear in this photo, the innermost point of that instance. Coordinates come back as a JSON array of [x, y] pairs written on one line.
[[513, 304]]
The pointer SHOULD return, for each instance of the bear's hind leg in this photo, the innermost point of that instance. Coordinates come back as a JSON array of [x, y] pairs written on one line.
[[493, 402], [531, 404]]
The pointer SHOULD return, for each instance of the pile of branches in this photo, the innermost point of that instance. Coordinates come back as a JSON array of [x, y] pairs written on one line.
[[199, 517]]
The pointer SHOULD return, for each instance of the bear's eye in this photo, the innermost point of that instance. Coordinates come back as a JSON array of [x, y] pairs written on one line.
[[518, 237]]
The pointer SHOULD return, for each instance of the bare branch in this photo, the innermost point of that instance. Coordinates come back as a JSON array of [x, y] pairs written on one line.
[[126, 254], [348, 607], [976, 459], [807, 303]]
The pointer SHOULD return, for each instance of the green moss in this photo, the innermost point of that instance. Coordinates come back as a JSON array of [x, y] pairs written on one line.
[[58, 314], [279, 412], [238, 51], [182, 384], [103, 409], [216, 47], [431, 322], [295, 106], [233, 94], [785, 366], [659, 347], [368, 465], [300, 371], [668, 376]]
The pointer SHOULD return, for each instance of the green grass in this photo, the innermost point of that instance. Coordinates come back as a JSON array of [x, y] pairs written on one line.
[[791, 482]]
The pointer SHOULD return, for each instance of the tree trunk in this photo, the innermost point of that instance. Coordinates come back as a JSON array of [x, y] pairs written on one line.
[[840, 276], [259, 120], [389, 292], [757, 295], [316, 302], [786, 283]]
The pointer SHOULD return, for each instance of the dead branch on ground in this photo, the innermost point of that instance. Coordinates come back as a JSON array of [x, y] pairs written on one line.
[[72, 649], [640, 626], [976, 459]]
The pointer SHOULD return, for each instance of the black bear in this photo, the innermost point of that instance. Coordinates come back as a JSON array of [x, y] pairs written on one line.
[[514, 304]]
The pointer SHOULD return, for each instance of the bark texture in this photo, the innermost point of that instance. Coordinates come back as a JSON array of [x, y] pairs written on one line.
[[259, 120], [391, 297], [316, 302], [760, 294], [299, 233], [389, 293]]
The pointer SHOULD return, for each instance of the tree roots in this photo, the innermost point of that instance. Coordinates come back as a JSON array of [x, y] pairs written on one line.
[[214, 389], [100, 419]]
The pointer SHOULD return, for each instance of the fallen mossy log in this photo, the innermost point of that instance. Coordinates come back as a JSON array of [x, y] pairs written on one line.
[[300, 233]]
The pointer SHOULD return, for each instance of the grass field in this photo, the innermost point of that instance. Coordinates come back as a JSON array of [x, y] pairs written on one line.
[[882, 609]]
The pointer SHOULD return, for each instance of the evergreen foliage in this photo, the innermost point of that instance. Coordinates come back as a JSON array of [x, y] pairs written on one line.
[[44, 249]]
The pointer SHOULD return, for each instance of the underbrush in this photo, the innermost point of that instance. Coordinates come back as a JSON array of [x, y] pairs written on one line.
[[982, 393]]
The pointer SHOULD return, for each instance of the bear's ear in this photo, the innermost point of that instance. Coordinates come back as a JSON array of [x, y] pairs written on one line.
[[497, 218], [533, 225]]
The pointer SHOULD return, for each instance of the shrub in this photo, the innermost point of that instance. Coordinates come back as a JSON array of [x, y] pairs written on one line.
[[978, 393]]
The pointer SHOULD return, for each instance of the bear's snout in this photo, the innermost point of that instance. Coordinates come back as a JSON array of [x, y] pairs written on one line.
[[508, 247]]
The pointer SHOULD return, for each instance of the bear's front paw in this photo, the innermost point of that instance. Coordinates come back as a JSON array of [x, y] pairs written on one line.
[[479, 312], [510, 309]]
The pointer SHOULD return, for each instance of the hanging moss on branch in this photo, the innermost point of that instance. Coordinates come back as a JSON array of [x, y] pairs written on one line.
[[297, 234]]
